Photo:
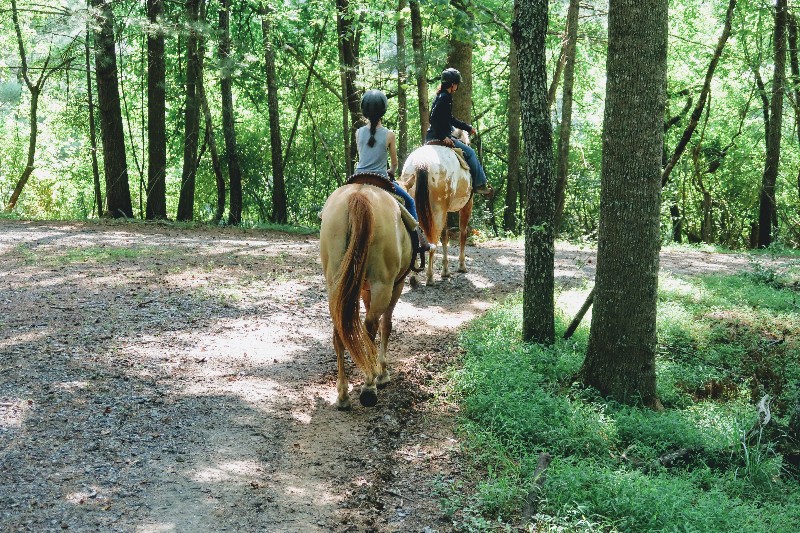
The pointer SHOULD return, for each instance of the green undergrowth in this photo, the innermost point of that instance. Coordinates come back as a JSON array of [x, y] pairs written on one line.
[[702, 464]]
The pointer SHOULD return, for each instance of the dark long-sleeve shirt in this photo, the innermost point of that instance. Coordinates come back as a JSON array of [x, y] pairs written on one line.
[[442, 119]]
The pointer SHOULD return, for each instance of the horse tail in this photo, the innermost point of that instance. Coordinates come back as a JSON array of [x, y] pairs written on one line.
[[422, 199], [345, 302]]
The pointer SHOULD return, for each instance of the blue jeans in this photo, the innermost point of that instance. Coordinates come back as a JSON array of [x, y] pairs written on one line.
[[475, 168], [410, 205]]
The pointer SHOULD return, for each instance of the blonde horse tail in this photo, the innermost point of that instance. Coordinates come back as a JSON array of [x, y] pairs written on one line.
[[346, 299], [422, 199]]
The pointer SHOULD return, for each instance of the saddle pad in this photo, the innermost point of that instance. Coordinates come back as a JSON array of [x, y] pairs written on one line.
[[369, 178]]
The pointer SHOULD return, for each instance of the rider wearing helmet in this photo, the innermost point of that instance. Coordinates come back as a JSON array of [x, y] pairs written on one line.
[[441, 127], [373, 142]]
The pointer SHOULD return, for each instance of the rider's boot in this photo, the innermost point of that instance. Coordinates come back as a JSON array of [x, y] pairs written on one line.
[[420, 241]]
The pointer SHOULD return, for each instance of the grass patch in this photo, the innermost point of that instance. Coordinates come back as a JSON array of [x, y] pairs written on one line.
[[724, 343]]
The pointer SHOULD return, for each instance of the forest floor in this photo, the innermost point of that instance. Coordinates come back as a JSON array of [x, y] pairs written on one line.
[[157, 379]]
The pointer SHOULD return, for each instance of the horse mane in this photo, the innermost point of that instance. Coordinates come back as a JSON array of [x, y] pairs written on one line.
[[345, 302], [424, 211]]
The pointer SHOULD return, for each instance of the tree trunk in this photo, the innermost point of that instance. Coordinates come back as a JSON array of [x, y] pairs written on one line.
[[562, 159], [348, 38], [795, 69], [701, 101], [620, 357], [279, 214], [156, 115], [530, 27], [228, 128], [402, 96], [212, 149], [98, 194], [512, 184], [420, 68], [460, 57], [118, 194], [191, 129], [767, 206]]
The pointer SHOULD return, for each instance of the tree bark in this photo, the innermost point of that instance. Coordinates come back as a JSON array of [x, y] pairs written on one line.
[[562, 159], [460, 57], [402, 96], [156, 115], [767, 207], [420, 67], [620, 358], [191, 130], [279, 214], [118, 194], [512, 184], [228, 127], [530, 27], [795, 70]]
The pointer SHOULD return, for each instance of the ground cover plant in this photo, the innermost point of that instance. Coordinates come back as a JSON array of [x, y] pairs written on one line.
[[712, 460]]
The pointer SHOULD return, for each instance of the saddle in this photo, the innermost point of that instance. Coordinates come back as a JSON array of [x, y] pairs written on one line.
[[383, 182], [458, 151]]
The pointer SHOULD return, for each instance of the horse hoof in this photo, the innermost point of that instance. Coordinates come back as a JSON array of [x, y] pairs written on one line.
[[382, 381], [462, 269], [343, 405], [413, 282], [368, 397]]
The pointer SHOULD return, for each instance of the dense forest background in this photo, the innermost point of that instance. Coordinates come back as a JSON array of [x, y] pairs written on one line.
[[259, 100]]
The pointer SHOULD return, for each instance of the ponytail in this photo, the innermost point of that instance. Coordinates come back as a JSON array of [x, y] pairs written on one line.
[[373, 124]]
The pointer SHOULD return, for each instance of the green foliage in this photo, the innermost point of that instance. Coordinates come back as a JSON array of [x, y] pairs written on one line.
[[703, 464]]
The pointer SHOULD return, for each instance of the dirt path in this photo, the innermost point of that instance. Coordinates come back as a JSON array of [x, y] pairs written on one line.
[[155, 379]]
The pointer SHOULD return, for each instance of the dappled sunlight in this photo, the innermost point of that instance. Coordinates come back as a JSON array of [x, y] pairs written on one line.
[[27, 337], [570, 302], [231, 471], [13, 412], [161, 527]]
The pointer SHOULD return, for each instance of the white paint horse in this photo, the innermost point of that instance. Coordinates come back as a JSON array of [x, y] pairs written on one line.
[[366, 253], [435, 177]]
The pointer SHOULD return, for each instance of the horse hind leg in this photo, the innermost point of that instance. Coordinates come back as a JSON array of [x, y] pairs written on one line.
[[343, 399], [445, 260], [463, 221], [386, 331]]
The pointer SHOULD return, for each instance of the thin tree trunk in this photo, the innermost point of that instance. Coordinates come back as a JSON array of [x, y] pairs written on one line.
[[562, 159], [512, 184], [348, 39], [620, 357], [402, 96], [420, 67], [279, 214], [191, 129], [538, 322], [767, 207], [98, 194], [795, 69], [228, 127], [118, 194], [156, 115], [212, 149], [701, 101]]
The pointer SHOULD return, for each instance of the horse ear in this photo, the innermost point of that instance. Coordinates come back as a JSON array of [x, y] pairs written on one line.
[[461, 135]]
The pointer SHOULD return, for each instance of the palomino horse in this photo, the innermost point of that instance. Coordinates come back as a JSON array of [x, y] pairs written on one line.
[[366, 254], [433, 175]]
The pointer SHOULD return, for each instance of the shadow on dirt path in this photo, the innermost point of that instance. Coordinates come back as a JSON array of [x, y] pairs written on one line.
[[157, 379]]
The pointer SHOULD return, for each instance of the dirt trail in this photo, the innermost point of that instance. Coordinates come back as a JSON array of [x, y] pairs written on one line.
[[155, 379]]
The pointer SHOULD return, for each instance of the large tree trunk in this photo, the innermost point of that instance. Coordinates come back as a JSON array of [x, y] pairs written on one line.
[[402, 97], [767, 207], [118, 194], [512, 184], [156, 115], [228, 128], [420, 68], [562, 159], [348, 39], [538, 323], [460, 57], [279, 214], [191, 129], [620, 358]]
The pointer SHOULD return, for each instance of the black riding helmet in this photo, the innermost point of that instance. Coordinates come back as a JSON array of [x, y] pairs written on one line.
[[373, 103], [451, 75]]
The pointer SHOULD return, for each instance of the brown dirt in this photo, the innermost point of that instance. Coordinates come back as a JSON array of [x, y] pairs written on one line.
[[160, 379]]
